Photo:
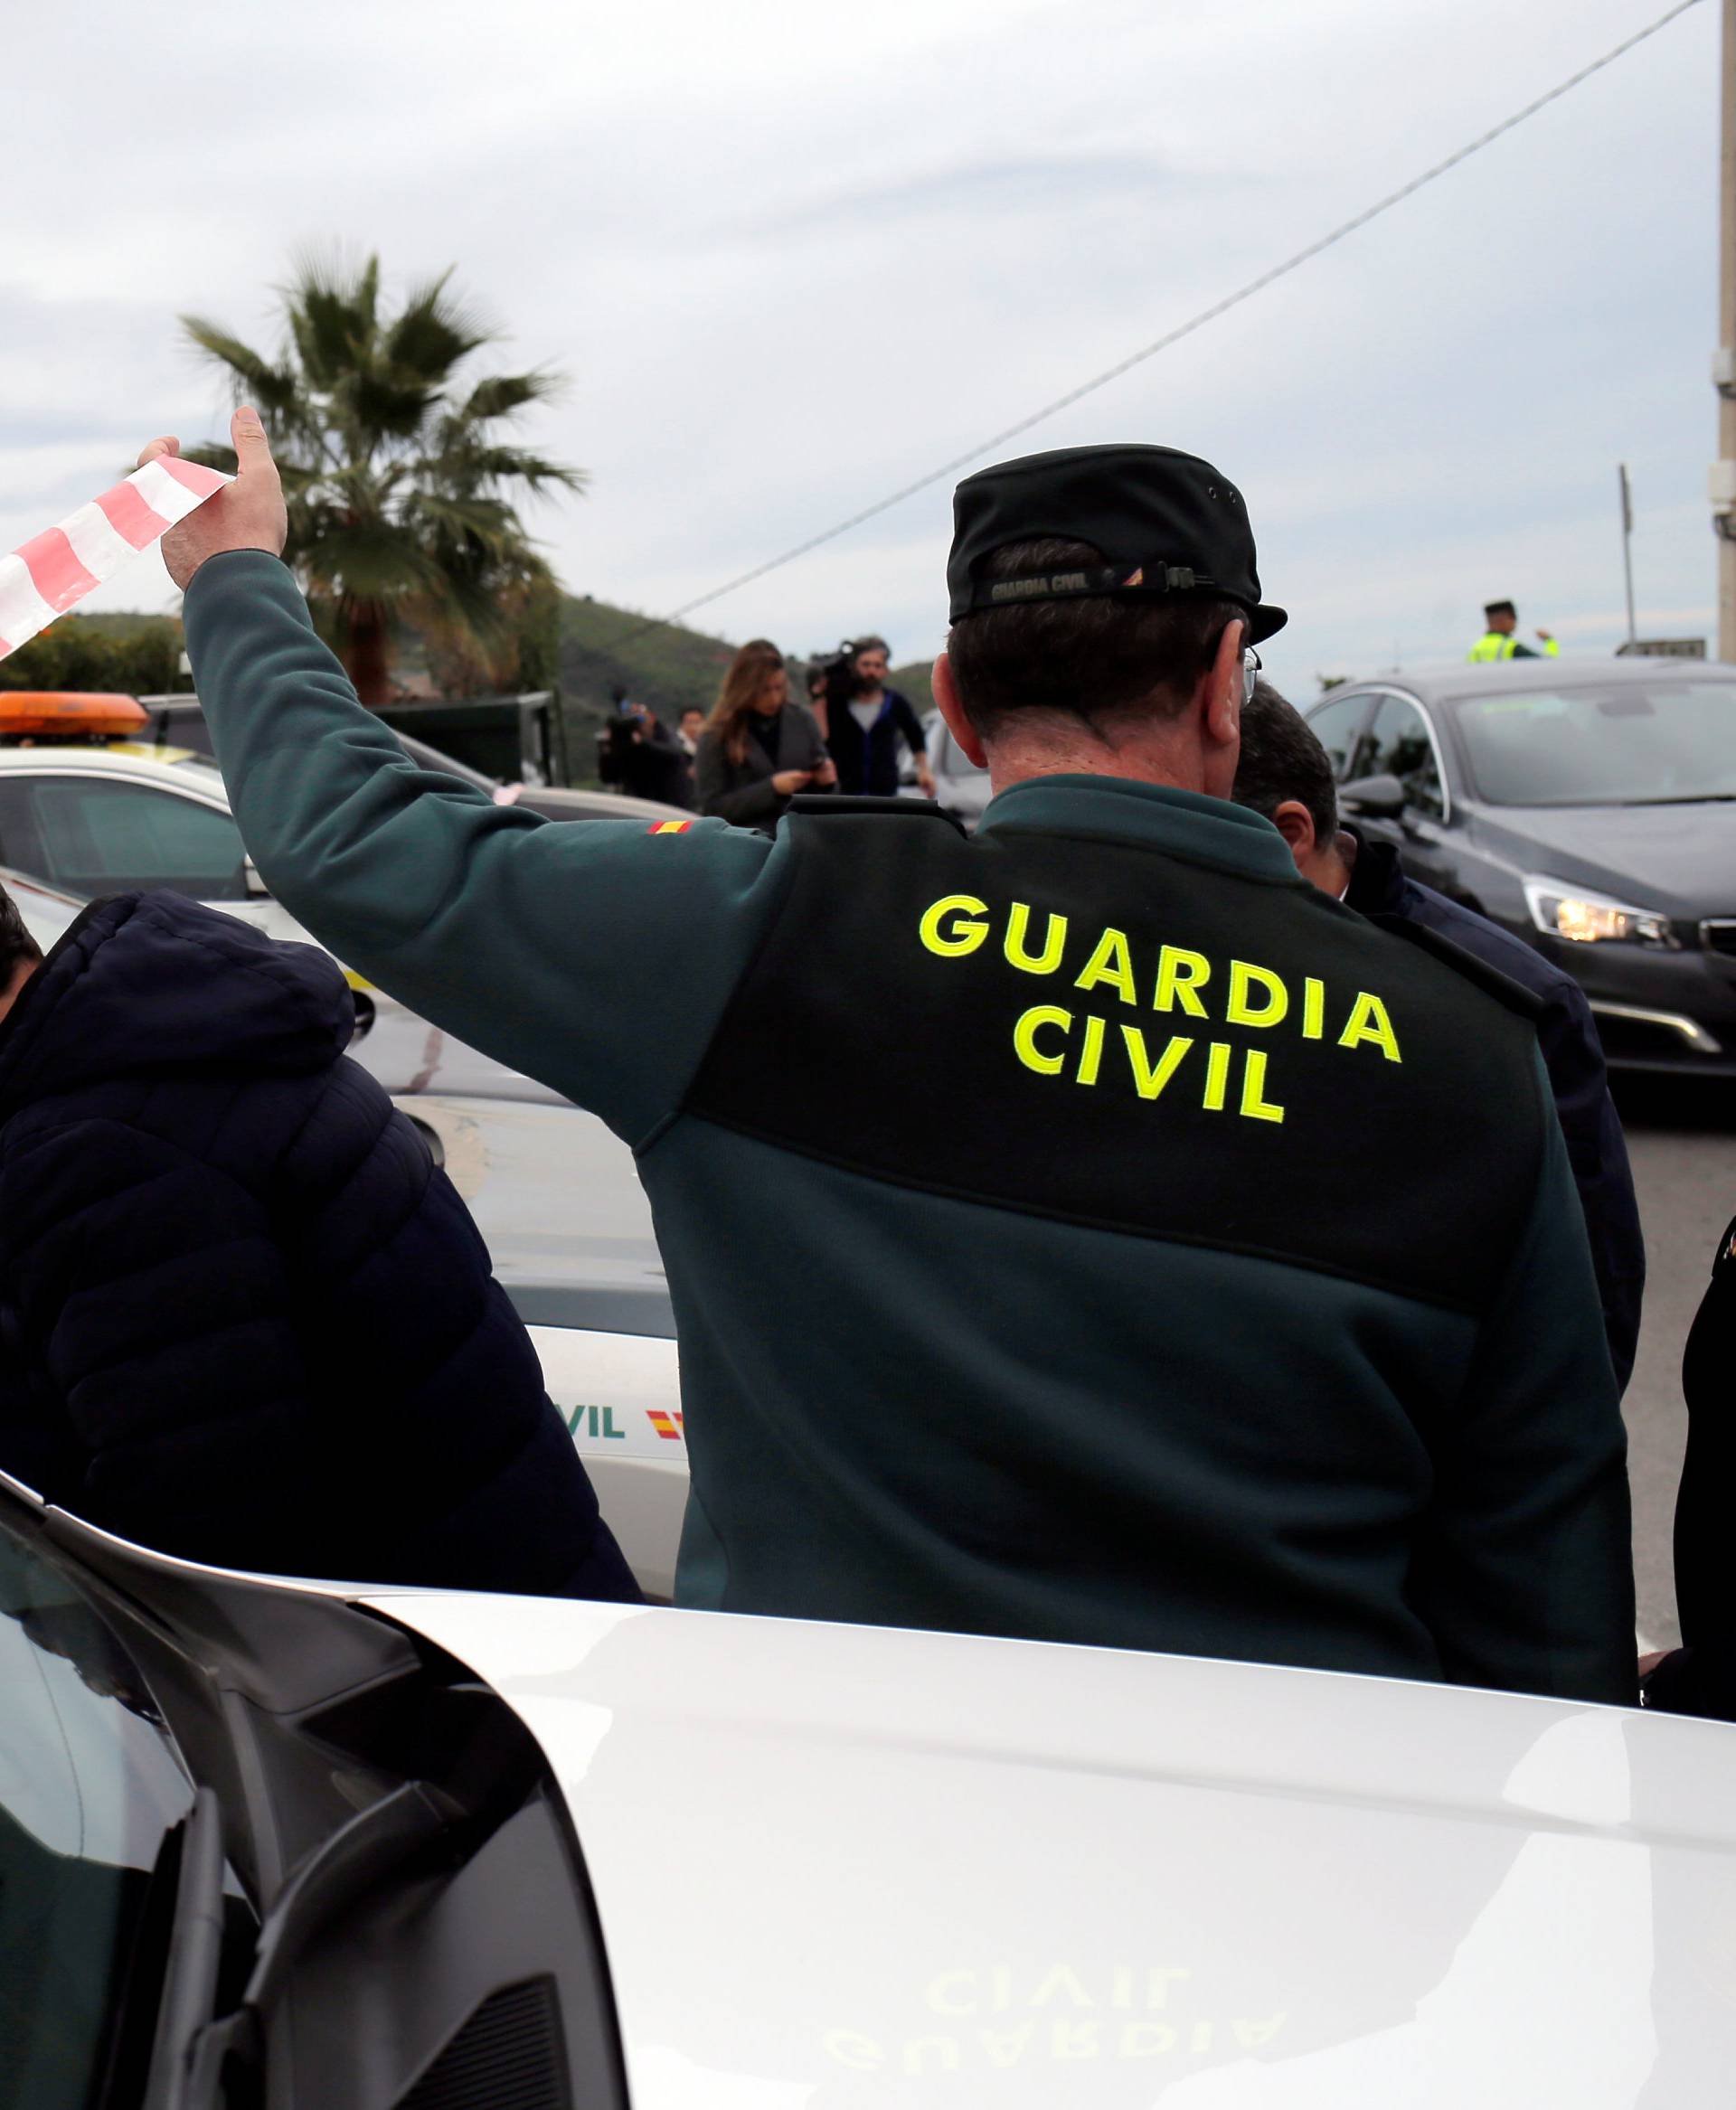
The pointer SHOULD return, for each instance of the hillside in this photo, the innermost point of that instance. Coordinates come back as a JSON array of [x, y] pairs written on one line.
[[668, 667], [914, 681]]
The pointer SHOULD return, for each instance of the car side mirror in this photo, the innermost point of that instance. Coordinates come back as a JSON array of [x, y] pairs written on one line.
[[252, 885], [1380, 798]]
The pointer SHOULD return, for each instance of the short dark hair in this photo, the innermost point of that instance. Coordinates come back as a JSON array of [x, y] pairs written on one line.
[[1499, 608], [1100, 658], [869, 642], [16, 944], [1282, 758]]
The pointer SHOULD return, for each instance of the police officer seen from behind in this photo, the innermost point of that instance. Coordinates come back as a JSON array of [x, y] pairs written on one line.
[[1284, 773], [1500, 621], [1204, 1272]]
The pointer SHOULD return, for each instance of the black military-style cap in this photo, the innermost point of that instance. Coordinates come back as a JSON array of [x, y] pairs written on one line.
[[1165, 521]]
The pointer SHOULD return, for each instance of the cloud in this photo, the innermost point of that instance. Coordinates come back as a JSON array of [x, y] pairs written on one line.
[[793, 257]]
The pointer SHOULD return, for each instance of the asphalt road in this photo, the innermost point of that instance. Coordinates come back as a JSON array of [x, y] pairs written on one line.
[[1682, 1140]]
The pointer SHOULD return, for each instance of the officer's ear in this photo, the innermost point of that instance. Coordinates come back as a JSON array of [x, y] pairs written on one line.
[[1223, 687], [946, 697]]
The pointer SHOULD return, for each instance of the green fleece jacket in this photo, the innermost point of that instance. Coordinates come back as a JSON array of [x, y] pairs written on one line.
[[1085, 1231]]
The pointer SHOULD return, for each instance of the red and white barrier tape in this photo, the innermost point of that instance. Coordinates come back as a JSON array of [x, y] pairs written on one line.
[[53, 572]]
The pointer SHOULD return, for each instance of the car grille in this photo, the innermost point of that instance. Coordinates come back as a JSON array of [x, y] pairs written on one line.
[[1718, 935]]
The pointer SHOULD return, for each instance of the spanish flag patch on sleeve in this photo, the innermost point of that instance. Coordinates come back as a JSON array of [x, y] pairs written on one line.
[[668, 827]]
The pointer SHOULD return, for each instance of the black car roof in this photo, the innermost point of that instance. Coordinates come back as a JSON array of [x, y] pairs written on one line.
[[1452, 682]]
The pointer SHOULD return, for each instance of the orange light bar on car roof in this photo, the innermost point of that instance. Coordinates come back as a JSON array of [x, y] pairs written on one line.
[[68, 714]]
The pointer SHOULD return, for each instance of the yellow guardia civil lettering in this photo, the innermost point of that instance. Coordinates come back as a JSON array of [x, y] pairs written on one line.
[[1238, 1012], [1181, 975], [1368, 1021], [961, 933], [1110, 962], [1054, 941], [1024, 1039], [1051, 1040]]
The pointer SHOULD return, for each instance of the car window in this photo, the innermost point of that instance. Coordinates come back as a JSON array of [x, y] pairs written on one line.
[[183, 725], [1608, 743], [90, 1789], [1336, 725], [1398, 745], [94, 837]]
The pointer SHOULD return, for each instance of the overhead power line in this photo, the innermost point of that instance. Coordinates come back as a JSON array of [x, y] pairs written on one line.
[[1175, 336]]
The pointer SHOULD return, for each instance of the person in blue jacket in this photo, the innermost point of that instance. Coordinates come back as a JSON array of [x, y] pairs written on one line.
[[243, 1318], [1128, 1337], [1284, 773]]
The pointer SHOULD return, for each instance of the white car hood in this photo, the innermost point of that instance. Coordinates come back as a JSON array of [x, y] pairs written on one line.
[[853, 1867]]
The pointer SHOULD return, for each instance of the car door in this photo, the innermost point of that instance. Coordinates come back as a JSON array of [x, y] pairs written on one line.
[[1399, 743], [93, 1801], [259, 1845]]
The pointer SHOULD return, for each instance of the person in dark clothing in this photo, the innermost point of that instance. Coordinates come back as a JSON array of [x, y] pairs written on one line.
[[1284, 773], [867, 728], [758, 749], [1700, 1677], [243, 1318], [639, 755]]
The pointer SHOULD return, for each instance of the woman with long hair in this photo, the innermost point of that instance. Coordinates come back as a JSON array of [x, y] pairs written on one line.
[[758, 749]]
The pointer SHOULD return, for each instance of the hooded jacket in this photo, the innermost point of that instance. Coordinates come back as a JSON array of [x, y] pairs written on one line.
[[243, 1318]]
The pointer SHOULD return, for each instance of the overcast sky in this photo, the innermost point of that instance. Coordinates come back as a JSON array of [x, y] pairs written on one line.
[[794, 255]]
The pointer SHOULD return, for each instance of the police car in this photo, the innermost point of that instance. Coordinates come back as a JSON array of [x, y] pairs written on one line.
[[319, 1847], [557, 1200], [86, 808]]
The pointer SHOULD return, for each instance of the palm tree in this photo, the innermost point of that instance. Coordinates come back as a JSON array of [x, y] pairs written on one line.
[[396, 477]]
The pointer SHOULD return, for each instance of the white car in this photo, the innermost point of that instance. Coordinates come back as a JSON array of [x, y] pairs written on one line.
[[558, 1200], [324, 1848], [86, 821]]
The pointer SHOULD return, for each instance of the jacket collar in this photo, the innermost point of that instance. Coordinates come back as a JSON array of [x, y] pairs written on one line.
[[1378, 882], [1157, 816]]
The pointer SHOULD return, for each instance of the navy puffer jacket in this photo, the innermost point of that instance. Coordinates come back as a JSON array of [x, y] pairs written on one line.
[[243, 1318]]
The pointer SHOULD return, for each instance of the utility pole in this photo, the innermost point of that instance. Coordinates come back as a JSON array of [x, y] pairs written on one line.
[[1723, 474], [1628, 543]]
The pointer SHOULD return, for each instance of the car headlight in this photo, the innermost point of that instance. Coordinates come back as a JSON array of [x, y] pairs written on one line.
[[1572, 912]]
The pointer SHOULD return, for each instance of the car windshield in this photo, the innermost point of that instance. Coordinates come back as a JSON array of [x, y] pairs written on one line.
[[1622, 743]]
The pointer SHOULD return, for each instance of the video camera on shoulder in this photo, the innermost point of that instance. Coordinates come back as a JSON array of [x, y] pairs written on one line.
[[832, 676]]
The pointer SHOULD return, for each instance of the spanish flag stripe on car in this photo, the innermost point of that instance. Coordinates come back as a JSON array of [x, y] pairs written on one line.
[[668, 827]]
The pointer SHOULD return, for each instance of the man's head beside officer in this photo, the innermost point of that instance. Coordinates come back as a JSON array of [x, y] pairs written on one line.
[[1044, 1099]]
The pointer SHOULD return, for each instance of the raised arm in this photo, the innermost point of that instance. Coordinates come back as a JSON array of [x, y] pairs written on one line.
[[596, 956]]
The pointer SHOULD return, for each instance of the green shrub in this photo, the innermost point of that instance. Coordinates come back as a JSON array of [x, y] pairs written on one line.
[[136, 656]]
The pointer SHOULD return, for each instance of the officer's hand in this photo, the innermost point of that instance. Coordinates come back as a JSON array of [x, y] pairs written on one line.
[[247, 514], [1545, 637], [786, 783]]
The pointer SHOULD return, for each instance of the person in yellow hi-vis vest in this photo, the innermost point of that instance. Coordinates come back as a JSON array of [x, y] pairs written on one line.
[[1501, 619]]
